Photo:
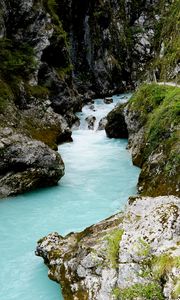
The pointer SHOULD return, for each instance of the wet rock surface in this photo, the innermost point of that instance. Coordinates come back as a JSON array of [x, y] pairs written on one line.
[[108, 100], [91, 122], [102, 123], [127, 256]]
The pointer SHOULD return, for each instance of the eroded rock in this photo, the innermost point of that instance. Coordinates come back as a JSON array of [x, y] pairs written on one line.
[[137, 250]]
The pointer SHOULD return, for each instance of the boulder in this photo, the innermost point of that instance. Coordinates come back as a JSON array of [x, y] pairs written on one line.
[[102, 124], [91, 122], [116, 126], [131, 255], [108, 100], [26, 164]]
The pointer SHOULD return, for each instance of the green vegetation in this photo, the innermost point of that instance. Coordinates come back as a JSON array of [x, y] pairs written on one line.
[[176, 291], [167, 42], [147, 98], [159, 108], [143, 248], [17, 59], [37, 91], [163, 264], [5, 96], [150, 291], [166, 117], [113, 246]]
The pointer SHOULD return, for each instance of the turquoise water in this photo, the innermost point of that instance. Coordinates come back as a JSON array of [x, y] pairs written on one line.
[[99, 178]]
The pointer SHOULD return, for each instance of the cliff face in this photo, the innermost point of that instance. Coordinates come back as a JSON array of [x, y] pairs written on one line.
[[110, 42], [53, 52], [151, 119]]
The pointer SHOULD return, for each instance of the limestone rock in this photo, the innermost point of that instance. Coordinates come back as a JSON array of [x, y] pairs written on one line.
[[131, 254]]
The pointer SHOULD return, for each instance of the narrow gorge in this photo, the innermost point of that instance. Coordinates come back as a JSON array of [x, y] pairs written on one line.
[[90, 108]]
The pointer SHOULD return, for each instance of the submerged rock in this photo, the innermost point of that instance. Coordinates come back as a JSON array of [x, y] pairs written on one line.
[[91, 122], [108, 100], [26, 164], [102, 123], [132, 254]]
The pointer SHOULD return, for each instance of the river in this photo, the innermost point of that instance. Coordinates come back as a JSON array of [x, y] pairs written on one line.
[[99, 178]]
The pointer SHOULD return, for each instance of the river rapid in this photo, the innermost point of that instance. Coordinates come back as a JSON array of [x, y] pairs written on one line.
[[98, 181]]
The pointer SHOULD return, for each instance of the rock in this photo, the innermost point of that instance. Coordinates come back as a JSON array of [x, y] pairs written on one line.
[[150, 142], [27, 164], [108, 100], [119, 255], [91, 122], [91, 106], [116, 126], [102, 124]]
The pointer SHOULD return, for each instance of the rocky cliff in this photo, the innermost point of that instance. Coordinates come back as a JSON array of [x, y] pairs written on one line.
[[111, 46], [151, 122]]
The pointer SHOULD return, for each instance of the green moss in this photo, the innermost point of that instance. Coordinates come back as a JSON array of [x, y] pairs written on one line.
[[158, 108], [113, 246], [150, 291], [147, 98], [17, 59], [6, 96], [163, 119], [167, 32], [37, 91], [63, 72]]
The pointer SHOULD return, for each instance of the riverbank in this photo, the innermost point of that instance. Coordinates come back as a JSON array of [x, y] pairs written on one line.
[[134, 254], [92, 189]]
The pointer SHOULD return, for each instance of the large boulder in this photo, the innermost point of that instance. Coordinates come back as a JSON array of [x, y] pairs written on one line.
[[26, 164], [116, 126], [132, 255]]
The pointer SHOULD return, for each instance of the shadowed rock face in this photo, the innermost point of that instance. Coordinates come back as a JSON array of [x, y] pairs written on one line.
[[26, 164], [132, 254], [116, 126]]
